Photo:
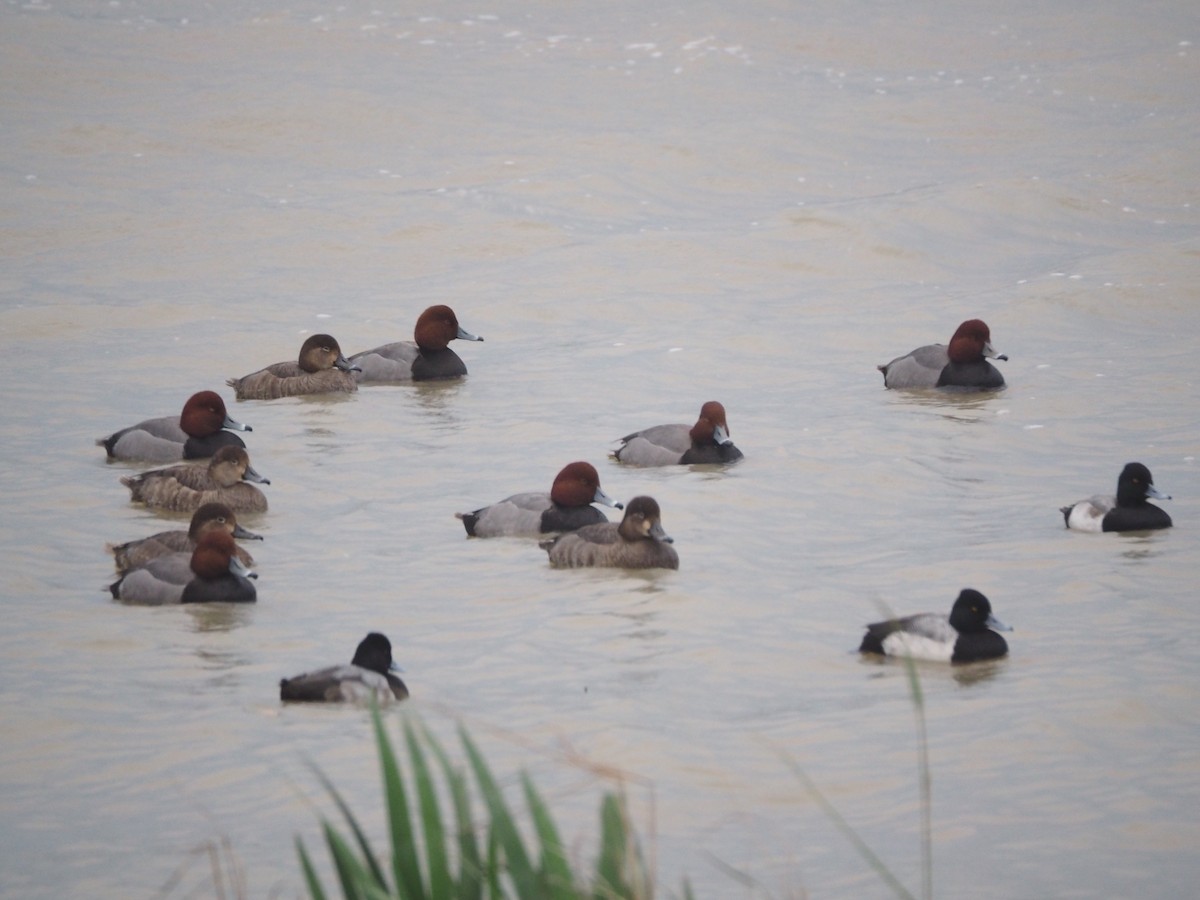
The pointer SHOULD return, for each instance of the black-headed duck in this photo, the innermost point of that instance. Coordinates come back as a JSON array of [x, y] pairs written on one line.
[[369, 675], [1129, 510], [968, 634]]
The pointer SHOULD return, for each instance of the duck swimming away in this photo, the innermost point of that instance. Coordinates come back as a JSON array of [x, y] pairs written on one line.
[[368, 676]]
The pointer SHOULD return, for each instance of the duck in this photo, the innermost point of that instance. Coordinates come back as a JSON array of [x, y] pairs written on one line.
[[637, 542], [320, 369], [425, 358], [1129, 510], [188, 486], [968, 634], [214, 575], [196, 433], [135, 554], [961, 364], [706, 442], [368, 676], [565, 508]]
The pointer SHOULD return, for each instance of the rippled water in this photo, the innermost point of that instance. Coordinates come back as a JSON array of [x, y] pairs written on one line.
[[641, 207]]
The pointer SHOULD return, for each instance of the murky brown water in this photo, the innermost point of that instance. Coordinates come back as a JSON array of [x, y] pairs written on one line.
[[641, 207]]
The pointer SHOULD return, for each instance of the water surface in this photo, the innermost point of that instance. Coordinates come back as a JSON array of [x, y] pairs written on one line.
[[641, 207]]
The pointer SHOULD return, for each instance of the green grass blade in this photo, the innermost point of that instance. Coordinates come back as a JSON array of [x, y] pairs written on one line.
[[504, 829], [555, 870], [438, 866], [470, 883], [310, 873], [610, 867], [405, 866], [493, 866], [359, 836], [351, 874]]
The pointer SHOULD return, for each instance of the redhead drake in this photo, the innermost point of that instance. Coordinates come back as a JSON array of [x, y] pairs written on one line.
[[427, 357], [565, 508], [187, 487], [135, 554], [196, 433], [962, 364], [1127, 511], [214, 574], [320, 369], [968, 634], [369, 676], [638, 542], [707, 441]]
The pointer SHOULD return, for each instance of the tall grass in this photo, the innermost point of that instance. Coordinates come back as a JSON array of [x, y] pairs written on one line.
[[491, 859], [486, 859]]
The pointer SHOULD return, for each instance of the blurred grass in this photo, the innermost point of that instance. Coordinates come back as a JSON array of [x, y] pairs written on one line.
[[427, 866]]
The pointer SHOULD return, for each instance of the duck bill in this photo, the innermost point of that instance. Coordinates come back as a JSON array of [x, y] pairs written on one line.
[[252, 475], [243, 535], [721, 435], [996, 625], [601, 497], [990, 352], [237, 567], [234, 425], [1152, 491], [464, 335], [345, 365], [656, 532]]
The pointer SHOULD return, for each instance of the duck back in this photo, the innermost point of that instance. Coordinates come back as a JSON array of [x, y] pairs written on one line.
[[287, 379]]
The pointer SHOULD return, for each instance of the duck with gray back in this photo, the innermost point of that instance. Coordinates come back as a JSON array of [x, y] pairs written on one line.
[[637, 542], [367, 677], [706, 442], [320, 369], [968, 634], [135, 554], [196, 433], [963, 364], [1129, 510], [187, 487], [427, 357], [214, 574], [565, 508]]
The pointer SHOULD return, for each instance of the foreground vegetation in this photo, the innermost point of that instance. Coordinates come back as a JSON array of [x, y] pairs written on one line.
[[495, 862]]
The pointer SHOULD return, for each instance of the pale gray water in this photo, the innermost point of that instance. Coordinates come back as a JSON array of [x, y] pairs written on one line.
[[641, 207]]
